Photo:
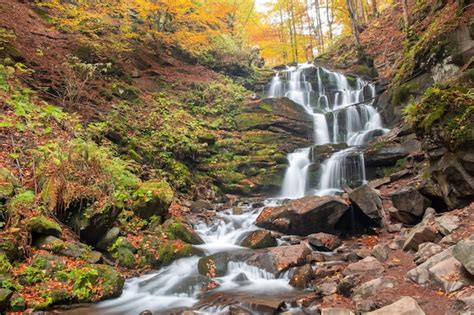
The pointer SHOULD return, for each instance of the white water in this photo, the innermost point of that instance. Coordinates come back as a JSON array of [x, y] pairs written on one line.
[[177, 286], [341, 114]]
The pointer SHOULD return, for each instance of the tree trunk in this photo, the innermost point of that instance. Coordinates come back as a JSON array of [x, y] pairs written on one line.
[[355, 30], [405, 15], [319, 25], [330, 18]]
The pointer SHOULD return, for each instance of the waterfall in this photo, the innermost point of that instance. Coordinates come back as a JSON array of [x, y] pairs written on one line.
[[342, 111]]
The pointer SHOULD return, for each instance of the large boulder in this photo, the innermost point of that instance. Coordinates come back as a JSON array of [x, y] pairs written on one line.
[[404, 306], [368, 265], [464, 252], [421, 233], [324, 241], [410, 200], [152, 198], [41, 225], [311, 214], [5, 296], [368, 201]]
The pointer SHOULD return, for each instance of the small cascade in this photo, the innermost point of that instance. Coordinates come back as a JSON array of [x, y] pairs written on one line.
[[294, 183], [342, 111]]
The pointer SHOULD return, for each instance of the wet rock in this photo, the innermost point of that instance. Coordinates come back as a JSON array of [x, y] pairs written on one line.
[[241, 277], [278, 259], [200, 205], [404, 306], [153, 198], [304, 216], [402, 216], [421, 233], [5, 296], [336, 311], [368, 201], [324, 151], [302, 277], [368, 265], [258, 205], [146, 312], [315, 257], [447, 223], [380, 251], [215, 265], [259, 239], [464, 252], [182, 231], [410, 200], [190, 285], [237, 211], [425, 251], [108, 239], [324, 241], [371, 287]]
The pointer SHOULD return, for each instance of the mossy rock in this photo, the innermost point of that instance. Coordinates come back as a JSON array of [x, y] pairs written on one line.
[[23, 200], [8, 182], [125, 257], [247, 121], [17, 303], [108, 239], [111, 281], [152, 198], [5, 296], [70, 249], [42, 225], [182, 231]]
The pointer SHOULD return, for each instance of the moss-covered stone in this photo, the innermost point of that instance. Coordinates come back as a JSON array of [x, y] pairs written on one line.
[[152, 198], [23, 200], [246, 121], [7, 183], [5, 296], [181, 231], [108, 239], [43, 226], [125, 257]]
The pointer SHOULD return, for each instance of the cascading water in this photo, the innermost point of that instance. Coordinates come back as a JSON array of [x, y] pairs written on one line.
[[342, 112], [180, 286]]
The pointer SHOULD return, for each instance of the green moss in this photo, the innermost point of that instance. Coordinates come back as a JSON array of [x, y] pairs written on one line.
[[246, 121], [402, 93], [43, 225], [152, 198], [84, 283], [125, 257], [400, 165], [22, 200], [5, 265], [177, 230]]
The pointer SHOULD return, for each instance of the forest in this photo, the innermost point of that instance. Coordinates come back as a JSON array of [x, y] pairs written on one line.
[[237, 157]]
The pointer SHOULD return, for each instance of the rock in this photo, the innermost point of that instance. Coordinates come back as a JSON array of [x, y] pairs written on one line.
[[324, 241], [371, 287], [447, 274], [177, 230], [111, 281], [108, 239], [278, 259], [41, 225], [328, 288], [200, 205], [447, 223], [336, 311], [404, 306], [368, 201], [398, 175], [464, 252], [394, 228], [8, 182], [191, 284], [259, 239], [304, 216], [397, 243], [380, 251], [402, 216], [421, 233], [447, 240], [258, 205], [70, 249], [215, 265], [145, 312], [152, 198], [302, 277], [241, 277], [425, 251], [347, 284], [324, 151], [410, 200], [420, 274], [5, 296], [368, 265]]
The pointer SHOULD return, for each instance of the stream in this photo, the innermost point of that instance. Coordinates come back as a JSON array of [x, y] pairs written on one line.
[[342, 113]]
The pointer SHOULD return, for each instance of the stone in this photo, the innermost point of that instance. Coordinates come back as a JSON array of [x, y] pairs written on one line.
[[420, 274], [421, 233], [464, 252], [336, 311], [404, 306], [200, 205], [259, 239], [447, 223], [328, 288], [108, 239], [394, 228], [324, 241], [347, 285], [8, 182], [447, 274], [215, 265], [5, 296], [70, 249], [182, 231], [425, 251], [371, 287], [402, 216], [368, 201], [278, 259], [368, 265], [397, 243], [302, 277], [304, 216], [380, 251], [42, 225], [410, 200], [153, 197]]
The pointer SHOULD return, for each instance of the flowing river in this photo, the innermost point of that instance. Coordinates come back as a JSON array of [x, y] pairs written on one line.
[[342, 112]]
